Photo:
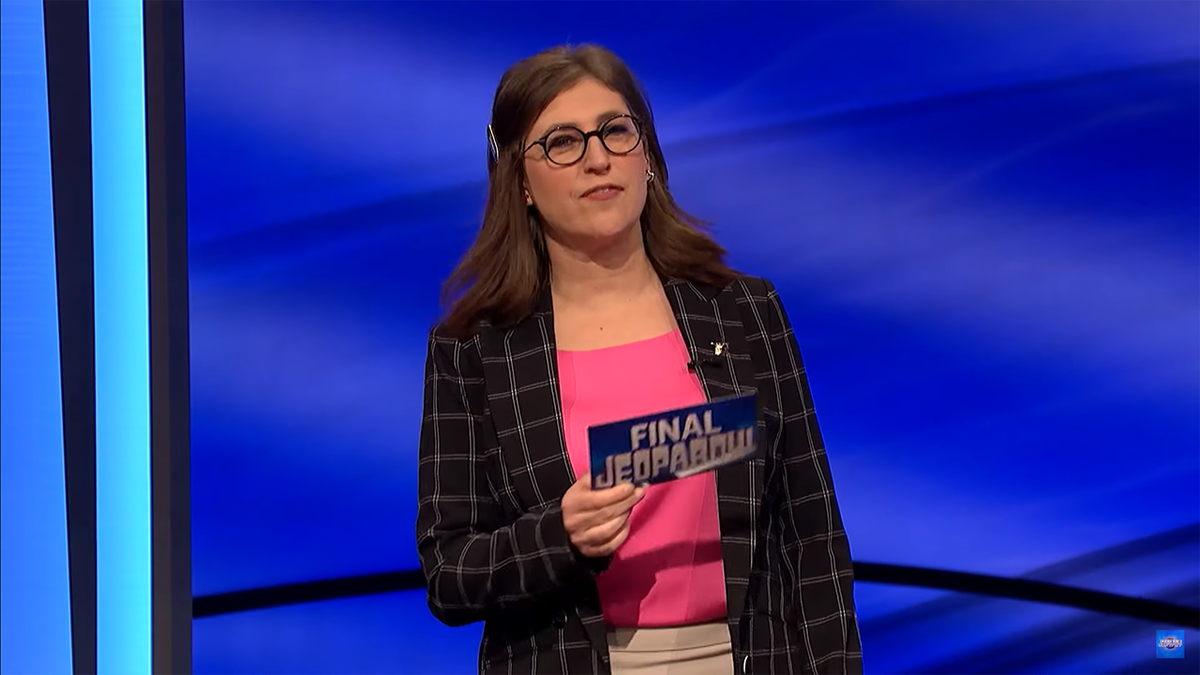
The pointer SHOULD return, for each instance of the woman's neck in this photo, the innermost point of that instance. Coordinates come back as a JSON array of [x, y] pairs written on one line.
[[600, 275]]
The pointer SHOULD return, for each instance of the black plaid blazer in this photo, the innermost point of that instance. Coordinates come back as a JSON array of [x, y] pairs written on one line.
[[494, 466]]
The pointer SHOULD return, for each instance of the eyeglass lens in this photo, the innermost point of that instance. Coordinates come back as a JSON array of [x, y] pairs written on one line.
[[619, 136]]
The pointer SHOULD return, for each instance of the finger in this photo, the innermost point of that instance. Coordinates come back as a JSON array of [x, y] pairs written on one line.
[[604, 532], [622, 507], [615, 542], [580, 516], [599, 534], [594, 500], [583, 518], [612, 494], [608, 545]]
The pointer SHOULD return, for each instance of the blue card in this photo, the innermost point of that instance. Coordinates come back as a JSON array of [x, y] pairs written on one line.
[[675, 443]]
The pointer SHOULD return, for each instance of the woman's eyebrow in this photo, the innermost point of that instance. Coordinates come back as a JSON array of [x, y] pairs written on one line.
[[602, 117]]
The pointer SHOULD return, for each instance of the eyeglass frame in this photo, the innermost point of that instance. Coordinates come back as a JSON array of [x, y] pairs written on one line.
[[587, 137]]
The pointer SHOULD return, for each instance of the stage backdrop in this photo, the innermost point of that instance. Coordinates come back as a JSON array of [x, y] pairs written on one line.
[[982, 217]]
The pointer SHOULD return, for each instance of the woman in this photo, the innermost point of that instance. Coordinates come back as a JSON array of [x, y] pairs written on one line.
[[589, 297]]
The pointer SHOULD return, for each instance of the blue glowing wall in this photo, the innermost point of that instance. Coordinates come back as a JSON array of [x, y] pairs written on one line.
[[122, 337], [36, 601], [78, 561]]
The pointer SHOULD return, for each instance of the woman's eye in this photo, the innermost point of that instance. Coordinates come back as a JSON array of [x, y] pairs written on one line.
[[617, 130]]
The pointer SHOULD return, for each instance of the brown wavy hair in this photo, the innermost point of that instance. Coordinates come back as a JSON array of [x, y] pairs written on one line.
[[501, 276]]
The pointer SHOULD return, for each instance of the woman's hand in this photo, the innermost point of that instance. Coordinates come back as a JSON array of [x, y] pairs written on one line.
[[597, 521]]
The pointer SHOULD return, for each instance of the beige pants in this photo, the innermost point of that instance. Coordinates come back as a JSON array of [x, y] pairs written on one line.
[[702, 649]]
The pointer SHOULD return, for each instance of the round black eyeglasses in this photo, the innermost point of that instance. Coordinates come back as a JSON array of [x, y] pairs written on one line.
[[567, 145]]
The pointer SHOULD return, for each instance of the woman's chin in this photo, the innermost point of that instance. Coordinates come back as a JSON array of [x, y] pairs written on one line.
[[598, 233], [608, 229]]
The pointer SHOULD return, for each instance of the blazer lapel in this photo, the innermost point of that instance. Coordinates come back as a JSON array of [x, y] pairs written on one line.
[[709, 318], [521, 369]]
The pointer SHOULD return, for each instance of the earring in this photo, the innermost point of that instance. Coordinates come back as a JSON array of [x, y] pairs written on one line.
[[649, 175], [528, 199]]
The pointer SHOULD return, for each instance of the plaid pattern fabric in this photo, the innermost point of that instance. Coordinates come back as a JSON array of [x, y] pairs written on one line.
[[494, 465]]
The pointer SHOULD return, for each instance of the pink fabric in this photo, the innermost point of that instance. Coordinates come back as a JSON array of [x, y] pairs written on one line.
[[669, 571]]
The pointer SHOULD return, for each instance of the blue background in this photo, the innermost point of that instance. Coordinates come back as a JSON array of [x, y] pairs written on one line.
[[982, 218]]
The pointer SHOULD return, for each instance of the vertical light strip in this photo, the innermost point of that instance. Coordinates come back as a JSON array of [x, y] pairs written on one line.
[[35, 590], [123, 605]]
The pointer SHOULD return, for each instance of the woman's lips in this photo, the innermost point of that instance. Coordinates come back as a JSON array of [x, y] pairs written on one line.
[[603, 192]]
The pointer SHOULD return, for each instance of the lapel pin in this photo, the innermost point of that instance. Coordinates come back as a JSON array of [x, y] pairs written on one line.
[[719, 348]]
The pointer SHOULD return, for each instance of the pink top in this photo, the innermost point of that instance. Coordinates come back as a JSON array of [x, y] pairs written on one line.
[[669, 571]]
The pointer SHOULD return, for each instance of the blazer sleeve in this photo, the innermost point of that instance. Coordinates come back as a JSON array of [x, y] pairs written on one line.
[[476, 561], [826, 573]]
